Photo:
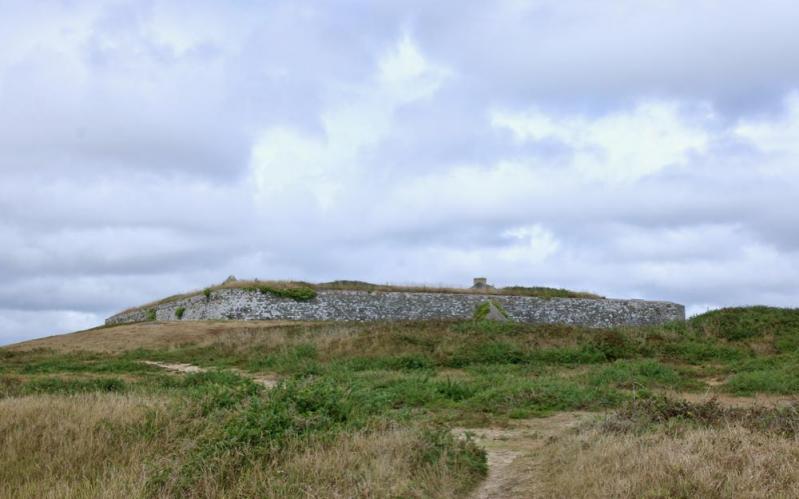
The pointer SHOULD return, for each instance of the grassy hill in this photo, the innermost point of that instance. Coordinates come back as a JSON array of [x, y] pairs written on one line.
[[703, 408]]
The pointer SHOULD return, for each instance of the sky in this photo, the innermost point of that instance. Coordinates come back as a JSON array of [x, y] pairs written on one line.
[[636, 149]]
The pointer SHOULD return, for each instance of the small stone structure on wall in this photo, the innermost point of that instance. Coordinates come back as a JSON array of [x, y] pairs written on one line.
[[345, 305]]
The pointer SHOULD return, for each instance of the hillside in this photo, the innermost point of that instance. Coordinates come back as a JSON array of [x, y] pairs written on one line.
[[406, 409]]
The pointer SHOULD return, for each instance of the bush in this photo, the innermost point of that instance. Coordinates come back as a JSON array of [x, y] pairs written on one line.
[[150, 316], [614, 344], [179, 312]]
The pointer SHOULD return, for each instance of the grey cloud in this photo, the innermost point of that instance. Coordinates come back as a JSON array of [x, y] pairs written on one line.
[[127, 134]]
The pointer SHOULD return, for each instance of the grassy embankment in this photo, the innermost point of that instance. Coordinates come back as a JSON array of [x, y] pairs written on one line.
[[364, 409]]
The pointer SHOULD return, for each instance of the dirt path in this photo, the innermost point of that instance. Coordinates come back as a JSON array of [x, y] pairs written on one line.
[[261, 379], [513, 453]]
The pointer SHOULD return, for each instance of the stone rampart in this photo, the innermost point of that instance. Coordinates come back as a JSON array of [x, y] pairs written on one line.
[[242, 304]]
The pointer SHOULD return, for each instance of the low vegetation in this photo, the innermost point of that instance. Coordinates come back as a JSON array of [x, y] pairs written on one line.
[[366, 409], [482, 311], [295, 292], [660, 447]]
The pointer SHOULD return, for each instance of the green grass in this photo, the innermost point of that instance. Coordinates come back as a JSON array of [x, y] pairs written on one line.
[[749, 322], [68, 387], [647, 373], [294, 292], [777, 374], [347, 379], [246, 424]]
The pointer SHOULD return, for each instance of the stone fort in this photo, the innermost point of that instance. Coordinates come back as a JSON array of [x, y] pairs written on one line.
[[252, 300]]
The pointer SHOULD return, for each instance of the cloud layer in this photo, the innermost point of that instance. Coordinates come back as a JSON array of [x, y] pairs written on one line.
[[152, 147]]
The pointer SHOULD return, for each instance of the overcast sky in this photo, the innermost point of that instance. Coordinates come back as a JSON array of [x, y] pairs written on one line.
[[642, 149]]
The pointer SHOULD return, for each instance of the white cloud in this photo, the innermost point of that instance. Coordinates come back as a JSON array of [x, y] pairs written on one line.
[[619, 146], [777, 138], [289, 162]]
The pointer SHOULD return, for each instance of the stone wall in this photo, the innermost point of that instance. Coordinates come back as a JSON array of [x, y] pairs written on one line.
[[240, 304]]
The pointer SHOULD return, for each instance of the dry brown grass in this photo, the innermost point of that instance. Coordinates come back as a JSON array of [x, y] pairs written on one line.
[[382, 463], [86, 446], [72, 446], [701, 462], [155, 335]]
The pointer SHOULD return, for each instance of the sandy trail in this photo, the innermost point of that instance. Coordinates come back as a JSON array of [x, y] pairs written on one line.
[[261, 379], [513, 453]]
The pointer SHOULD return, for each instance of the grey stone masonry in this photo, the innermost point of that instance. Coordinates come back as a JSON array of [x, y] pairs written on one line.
[[241, 304]]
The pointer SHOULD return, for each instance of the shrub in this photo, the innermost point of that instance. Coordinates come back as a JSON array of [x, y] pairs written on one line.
[[207, 293], [179, 312], [614, 344], [150, 314]]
